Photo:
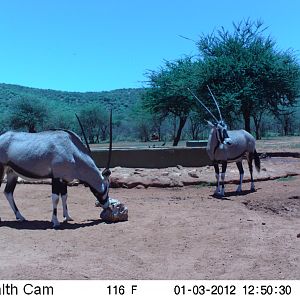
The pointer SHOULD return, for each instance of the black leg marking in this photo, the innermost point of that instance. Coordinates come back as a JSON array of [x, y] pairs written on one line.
[[55, 211], [59, 187], [12, 179], [239, 165], [11, 184], [217, 171], [224, 167], [10, 187], [216, 166], [250, 159]]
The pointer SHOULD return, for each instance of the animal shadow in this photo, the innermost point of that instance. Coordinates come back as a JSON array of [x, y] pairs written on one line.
[[233, 194], [45, 225]]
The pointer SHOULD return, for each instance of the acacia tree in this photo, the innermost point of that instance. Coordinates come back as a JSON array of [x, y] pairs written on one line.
[[168, 94], [247, 73], [29, 113], [95, 123]]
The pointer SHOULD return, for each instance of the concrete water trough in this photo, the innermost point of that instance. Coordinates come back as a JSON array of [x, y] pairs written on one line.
[[161, 157], [199, 143]]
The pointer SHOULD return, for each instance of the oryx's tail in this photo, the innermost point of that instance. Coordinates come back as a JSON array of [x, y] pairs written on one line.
[[256, 161]]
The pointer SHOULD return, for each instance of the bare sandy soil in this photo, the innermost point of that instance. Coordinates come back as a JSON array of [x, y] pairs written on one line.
[[172, 233]]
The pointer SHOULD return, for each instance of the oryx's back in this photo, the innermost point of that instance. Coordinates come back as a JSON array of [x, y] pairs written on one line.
[[241, 142], [35, 154], [242, 139]]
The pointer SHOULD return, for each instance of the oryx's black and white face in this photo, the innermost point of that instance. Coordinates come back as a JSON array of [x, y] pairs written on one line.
[[221, 131], [102, 193]]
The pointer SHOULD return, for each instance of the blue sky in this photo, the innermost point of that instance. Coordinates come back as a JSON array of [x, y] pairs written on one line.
[[90, 45]]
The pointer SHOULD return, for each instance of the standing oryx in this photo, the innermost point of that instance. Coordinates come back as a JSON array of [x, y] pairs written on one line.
[[225, 146], [61, 156]]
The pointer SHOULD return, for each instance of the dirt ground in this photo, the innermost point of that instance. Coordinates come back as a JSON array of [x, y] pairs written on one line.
[[172, 233]]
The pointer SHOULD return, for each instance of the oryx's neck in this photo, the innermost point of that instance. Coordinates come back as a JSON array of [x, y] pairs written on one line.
[[212, 144], [89, 173]]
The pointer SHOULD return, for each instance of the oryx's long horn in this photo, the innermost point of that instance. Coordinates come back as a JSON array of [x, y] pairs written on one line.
[[203, 104], [110, 140], [83, 133], [215, 102]]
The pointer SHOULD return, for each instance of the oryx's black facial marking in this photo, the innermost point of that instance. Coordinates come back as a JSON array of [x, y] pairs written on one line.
[[221, 132], [101, 197], [225, 134]]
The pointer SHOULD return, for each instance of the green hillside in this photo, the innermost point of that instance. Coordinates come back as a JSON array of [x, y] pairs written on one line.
[[121, 100]]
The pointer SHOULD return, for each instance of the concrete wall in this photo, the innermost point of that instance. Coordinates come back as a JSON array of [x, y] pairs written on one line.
[[153, 157]]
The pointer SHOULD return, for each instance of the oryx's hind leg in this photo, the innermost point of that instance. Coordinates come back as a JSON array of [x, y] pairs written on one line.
[[241, 171], [250, 160], [59, 188], [12, 179]]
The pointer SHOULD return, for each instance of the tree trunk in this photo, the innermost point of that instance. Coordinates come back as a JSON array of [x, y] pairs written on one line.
[[247, 121], [182, 121], [257, 127], [31, 128]]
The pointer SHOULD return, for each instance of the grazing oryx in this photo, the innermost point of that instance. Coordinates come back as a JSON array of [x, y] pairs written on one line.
[[225, 146], [61, 156]]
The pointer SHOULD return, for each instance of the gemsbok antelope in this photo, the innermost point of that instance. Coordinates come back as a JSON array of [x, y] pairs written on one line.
[[61, 156], [225, 146]]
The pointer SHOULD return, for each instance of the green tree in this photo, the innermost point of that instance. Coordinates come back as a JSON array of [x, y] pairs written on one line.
[[168, 94], [95, 123], [29, 113], [247, 73]]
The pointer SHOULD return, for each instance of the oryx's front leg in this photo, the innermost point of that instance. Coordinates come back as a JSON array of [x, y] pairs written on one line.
[[59, 188], [224, 166], [241, 171], [12, 179], [65, 208], [216, 166], [55, 200]]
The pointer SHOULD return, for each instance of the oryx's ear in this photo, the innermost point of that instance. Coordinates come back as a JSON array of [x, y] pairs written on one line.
[[210, 123]]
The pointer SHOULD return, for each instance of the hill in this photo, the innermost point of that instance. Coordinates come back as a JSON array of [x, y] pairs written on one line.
[[122, 100]]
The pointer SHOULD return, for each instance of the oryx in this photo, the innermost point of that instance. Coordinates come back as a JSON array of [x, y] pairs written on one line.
[[61, 156], [225, 146]]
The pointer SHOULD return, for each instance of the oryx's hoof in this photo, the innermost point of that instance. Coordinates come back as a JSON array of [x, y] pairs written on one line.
[[239, 190], [115, 213], [217, 193], [19, 217], [56, 225], [67, 219]]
